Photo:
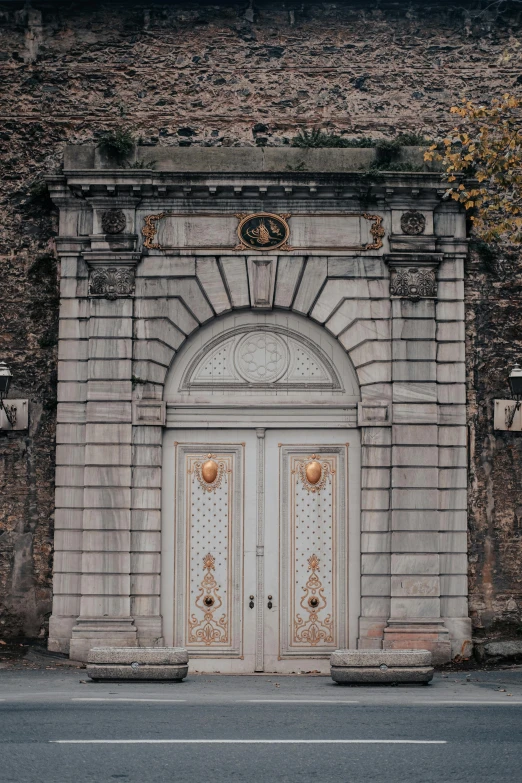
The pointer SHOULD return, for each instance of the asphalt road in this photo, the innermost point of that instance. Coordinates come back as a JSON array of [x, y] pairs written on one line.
[[54, 728]]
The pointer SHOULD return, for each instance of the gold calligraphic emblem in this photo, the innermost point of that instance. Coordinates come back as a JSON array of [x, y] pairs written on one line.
[[263, 231]]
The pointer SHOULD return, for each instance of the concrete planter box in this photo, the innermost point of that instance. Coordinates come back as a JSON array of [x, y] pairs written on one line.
[[381, 666], [137, 663]]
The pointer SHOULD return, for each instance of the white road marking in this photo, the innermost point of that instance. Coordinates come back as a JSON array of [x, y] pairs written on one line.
[[250, 742], [458, 703], [294, 701], [167, 701]]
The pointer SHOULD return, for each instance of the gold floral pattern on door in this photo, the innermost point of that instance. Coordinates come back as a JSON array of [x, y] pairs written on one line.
[[312, 628], [209, 629]]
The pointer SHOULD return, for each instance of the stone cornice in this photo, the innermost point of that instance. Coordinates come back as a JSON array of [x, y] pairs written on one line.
[[118, 187]]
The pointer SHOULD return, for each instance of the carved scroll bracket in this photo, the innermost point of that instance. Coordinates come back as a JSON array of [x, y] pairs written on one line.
[[413, 275], [111, 275]]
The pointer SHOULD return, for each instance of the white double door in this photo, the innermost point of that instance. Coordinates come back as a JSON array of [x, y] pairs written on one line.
[[261, 563]]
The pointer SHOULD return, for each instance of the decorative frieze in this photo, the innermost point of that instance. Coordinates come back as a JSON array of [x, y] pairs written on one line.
[[413, 275], [112, 282], [413, 282], [111, 272]]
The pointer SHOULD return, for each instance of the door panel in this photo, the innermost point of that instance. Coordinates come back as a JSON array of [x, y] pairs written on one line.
[[306, 548], [211, 557]]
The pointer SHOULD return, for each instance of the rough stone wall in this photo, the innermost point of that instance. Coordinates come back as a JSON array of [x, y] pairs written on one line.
[[230, 74], [494, 344]]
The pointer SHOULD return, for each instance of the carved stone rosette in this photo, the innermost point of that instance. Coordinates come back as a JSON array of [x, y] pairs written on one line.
[[113, 221], [413, 222], [111, 282]]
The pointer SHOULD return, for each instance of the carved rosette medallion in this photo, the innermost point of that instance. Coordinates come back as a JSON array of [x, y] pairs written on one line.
[[311, 628], [111, 282], [208, 630], [113, 221], [413, 223], [413, 282], [261, 357], [210, 472], [263, 231], [313, 474]]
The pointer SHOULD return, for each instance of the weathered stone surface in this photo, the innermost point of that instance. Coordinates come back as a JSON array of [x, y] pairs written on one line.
[[137, 663], [122, 672], [379, 677], [381, 666], [500, 650], [97, 76], [390, 658], [146, 656]]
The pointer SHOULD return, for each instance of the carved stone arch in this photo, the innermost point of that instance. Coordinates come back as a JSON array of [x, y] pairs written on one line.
[[274, 354]]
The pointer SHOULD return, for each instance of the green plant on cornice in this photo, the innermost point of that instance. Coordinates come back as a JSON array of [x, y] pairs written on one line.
[[142, 164], [117, 144], [319, 139]]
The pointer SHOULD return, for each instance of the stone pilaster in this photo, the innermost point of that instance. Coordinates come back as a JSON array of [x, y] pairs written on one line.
[[105, 611], [415, 614], [70, 443]]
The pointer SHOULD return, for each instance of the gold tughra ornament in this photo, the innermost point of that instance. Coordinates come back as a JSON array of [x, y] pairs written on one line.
[[263, 231]]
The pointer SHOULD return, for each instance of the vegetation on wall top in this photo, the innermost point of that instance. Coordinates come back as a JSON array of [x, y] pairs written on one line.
[[482, 158]]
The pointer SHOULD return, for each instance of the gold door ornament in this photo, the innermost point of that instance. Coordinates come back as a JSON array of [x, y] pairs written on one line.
[[209, 630], [313, 474], [210, 471], [313, 630], [263, 231]]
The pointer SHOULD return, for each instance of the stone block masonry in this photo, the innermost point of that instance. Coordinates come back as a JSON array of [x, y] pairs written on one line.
[[218, 75]]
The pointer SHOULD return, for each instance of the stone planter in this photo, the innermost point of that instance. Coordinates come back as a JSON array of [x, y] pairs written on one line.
[[381, 666], [137, 663]]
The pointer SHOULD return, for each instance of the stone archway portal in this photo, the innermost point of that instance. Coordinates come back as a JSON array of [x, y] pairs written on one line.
[[258, 512], [148, 261]]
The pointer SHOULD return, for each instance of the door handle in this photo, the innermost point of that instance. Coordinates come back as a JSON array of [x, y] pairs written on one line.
[[251, 604], [269, 604]]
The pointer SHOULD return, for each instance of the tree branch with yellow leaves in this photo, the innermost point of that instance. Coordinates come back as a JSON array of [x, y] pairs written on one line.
[[482, 158]]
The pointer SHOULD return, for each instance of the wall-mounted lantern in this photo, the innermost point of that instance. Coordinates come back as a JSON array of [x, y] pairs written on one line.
[[506, 410], [5, 382], [515, 382]]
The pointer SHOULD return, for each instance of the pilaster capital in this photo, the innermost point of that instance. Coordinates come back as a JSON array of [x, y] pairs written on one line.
[[111, 273], [413, 275]]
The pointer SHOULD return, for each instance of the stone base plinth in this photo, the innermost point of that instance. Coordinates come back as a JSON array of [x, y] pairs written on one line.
[[419, 634], [381, 666], [97, 631], [140, 663]]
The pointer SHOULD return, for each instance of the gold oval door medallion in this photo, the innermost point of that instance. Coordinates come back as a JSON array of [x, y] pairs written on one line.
[[209, 471], [263, 231], [313, 472]]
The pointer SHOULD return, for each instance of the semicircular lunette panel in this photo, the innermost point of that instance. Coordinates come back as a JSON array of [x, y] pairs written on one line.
[[261, 357]]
